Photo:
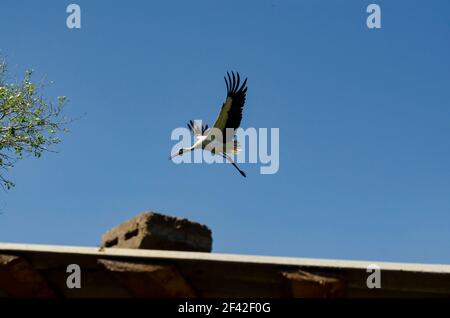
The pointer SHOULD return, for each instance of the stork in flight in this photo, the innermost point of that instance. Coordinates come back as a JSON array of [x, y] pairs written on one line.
[[229, 120]]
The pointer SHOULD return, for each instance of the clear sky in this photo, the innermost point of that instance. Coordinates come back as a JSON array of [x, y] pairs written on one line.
[[364, 119]]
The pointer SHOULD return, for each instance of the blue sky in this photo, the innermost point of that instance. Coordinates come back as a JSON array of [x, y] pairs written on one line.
[[363, 117]]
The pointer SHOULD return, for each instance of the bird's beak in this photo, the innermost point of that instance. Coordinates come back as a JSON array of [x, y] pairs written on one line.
[[173, 156]]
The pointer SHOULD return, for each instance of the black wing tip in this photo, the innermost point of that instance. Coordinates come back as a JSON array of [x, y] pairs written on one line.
[[191, 126], [204, 128], [233, 83], [197, 129]]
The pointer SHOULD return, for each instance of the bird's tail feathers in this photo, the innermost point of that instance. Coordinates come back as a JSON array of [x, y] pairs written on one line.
[[236, 147]]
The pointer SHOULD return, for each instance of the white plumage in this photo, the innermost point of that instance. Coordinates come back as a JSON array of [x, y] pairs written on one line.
[[227, 122]]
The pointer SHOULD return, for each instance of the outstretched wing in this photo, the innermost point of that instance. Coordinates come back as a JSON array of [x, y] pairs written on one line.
[[197, 130], [230, 115]]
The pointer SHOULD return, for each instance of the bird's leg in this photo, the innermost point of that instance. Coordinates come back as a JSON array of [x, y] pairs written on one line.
[[235, 165]]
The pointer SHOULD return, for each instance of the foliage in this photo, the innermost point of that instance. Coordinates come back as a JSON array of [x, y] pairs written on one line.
[[28, 123]]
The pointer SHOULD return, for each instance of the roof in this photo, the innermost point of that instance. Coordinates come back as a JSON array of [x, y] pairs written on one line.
[[115, 272]]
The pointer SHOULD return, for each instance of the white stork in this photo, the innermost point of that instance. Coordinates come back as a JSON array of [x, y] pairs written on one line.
[[227, 122]]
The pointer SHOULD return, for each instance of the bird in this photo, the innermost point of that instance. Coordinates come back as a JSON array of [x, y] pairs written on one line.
[[227, 122]]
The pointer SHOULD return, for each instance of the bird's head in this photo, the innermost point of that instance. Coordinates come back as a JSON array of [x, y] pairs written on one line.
[[179, 152]]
